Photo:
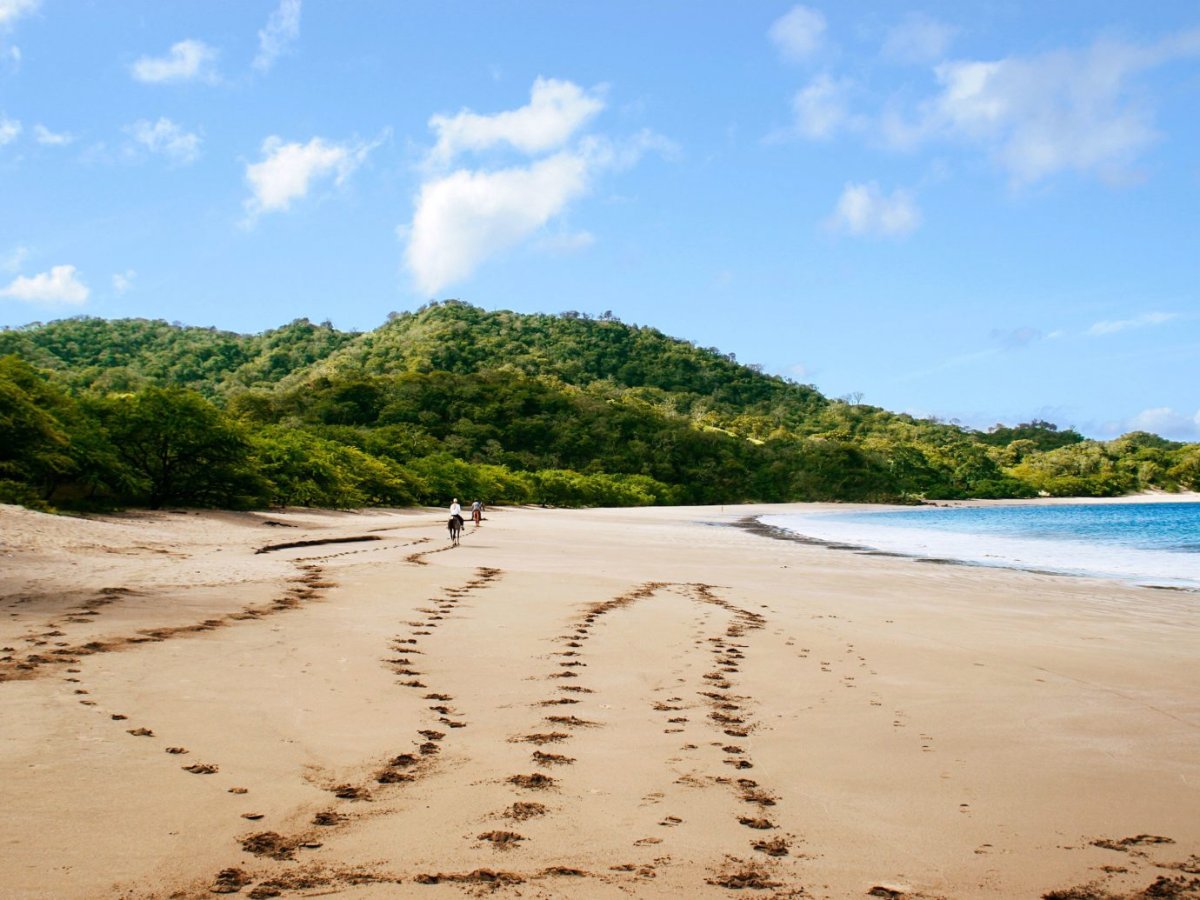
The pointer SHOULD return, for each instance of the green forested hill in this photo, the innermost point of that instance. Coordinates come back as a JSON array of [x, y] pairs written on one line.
[[455, 400]]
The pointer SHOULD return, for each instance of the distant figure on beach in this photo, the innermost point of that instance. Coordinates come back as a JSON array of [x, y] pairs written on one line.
[[456, 521], [476, 512]]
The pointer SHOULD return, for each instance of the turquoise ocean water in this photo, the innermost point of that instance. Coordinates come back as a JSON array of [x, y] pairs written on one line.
[[1145, 543]]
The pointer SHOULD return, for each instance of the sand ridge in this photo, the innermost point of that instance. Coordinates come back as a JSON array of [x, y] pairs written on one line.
[[578, 703]]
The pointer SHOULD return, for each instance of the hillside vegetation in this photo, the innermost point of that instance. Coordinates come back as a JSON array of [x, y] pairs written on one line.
[[455, 401]]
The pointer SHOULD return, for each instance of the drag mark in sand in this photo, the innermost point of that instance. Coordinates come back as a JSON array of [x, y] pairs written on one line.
[[307, 586]]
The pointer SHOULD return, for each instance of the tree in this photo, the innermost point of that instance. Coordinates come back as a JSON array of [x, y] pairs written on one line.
[[180, 448], [35, 449]]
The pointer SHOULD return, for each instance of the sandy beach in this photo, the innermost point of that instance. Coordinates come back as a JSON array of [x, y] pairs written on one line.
[[601, 703]]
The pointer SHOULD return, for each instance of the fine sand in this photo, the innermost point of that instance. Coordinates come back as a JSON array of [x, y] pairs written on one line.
[[606, 703]]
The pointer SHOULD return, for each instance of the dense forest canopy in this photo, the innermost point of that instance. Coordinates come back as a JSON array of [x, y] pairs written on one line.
[[452, 400]]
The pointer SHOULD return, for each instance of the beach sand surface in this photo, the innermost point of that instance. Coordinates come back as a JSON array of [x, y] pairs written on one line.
[[600, 703]]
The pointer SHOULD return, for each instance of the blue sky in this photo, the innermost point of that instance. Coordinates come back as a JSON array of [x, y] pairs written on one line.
[[983, 211]]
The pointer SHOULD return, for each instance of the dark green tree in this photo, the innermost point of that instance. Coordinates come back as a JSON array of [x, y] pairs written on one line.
[[180, 449]]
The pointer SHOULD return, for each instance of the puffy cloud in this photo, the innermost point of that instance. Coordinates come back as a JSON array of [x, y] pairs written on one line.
[[1142, 321], [166, 138], [918, 39], [45, 136], [288, 170], [11, 10], [465, 217], [185, 61], [821, 107], [282, 29], [58, 286], [556, 110], [10, 130], [1040, 115], [863, 209], [798, 33]]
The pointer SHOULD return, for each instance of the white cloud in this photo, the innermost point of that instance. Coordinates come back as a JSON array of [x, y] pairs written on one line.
[[10, 130], [1142, 321], [820, 108], [1040, 115], [45, 136], [11, 10], [123, 281], [185, 61], [556, 110], [1166, 422], [863, 209], [166, 138], [798, 33], [918, 39], [58, 286], [282, 29], [288, 170], [466, 217], [462, 218]]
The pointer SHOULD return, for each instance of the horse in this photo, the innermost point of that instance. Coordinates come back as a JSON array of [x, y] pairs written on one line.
[[456, 526]]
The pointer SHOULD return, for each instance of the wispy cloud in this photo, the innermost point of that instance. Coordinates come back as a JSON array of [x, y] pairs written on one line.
[[555, 112], [123, 281], [566, 243], [44, 135], [11, 10], [59, 286], [11, 261], [1166, 422], [10, 130], [798, 34], [1018, 337], [280, 33], [918, 39], [1036, 116], [287, 171], [1143, 321], [821, 108], [167, 139], [864, 210], [188, 60]]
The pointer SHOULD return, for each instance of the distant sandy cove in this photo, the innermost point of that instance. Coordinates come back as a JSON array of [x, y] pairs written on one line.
[[601, 703]]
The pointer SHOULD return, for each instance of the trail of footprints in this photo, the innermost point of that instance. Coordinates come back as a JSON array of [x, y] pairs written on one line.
[[728, 717]]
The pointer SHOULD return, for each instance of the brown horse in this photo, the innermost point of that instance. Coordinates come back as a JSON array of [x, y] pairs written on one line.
[[456, 526]]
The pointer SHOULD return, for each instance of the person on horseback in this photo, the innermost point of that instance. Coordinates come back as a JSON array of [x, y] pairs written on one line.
[[456, 521], [477, 512]]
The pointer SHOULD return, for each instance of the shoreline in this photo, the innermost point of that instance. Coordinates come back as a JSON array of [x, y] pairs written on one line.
[[930, 545], [728, 711]]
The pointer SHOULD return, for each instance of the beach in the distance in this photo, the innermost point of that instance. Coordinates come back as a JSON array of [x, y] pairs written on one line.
[[577, 703]]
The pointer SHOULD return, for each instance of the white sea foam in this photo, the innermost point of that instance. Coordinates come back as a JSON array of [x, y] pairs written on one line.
[[1073, 557]]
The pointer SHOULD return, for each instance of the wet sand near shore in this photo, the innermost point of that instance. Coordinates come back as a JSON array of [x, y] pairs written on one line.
[[602, 703]]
